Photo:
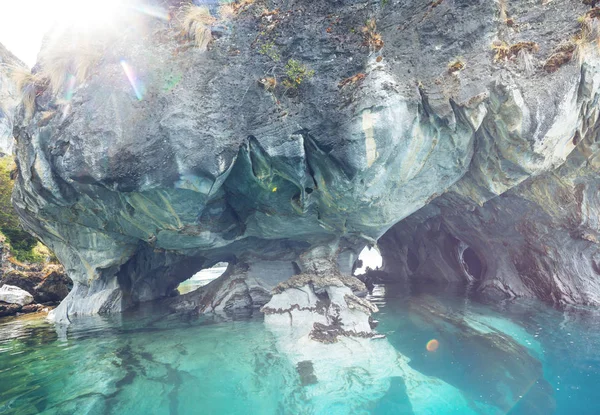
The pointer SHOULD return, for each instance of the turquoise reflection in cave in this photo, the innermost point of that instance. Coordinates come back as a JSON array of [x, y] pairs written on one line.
[[518, 358]]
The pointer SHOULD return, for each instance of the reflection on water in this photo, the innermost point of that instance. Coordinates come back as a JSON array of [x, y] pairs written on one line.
[[443, 354]]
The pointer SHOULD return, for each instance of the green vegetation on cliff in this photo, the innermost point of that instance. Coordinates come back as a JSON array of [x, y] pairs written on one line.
[[23, 246]]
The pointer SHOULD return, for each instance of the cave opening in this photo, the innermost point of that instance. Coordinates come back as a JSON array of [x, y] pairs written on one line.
[[412, 260], [472, 264], [202, 277], [370, 257]]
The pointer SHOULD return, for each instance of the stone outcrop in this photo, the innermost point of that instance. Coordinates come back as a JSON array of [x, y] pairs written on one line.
[[540, 239], [167, 159], [45, 283], [14, 295]]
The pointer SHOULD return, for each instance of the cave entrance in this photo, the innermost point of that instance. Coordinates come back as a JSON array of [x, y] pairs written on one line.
[[471, 263], [370, 257], [202, 277]]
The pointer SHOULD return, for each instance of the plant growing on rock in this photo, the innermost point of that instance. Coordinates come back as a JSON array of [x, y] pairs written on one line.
[[296, 73], [353, 80], [268, 83], [197, 22], [67, 59], [64, 62], [505, 52], [561, 56], [372, 38], [28, 85], [270, 50], [23, 246], [456, 66]]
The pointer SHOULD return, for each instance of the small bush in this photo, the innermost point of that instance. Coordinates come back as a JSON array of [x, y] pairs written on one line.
[[270, 50], [296, 73]]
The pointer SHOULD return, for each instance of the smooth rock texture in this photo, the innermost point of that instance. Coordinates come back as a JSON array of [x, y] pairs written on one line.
[[136, 189], [14, 295]]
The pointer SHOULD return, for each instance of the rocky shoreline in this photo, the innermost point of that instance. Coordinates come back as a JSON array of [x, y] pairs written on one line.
[[27, 288]]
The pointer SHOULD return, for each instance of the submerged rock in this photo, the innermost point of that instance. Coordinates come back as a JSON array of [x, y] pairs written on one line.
[[301, 129]]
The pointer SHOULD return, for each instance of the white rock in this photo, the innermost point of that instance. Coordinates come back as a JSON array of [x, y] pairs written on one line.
[[14, 295]]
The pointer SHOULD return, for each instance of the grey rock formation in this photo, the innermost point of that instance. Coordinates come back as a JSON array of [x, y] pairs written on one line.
[[136, 189], [540, 239], [14, 295]]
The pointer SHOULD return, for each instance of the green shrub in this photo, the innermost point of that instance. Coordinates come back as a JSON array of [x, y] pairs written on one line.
[[22, 244], [296, 74]]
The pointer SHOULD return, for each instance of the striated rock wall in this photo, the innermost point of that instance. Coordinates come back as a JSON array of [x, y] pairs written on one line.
[[210, 157]]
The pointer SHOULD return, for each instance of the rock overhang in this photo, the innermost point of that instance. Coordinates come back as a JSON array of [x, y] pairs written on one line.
[[207, 165]]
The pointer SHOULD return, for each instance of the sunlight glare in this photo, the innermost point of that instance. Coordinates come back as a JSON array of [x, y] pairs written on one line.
[[86, 14], [89, 17]]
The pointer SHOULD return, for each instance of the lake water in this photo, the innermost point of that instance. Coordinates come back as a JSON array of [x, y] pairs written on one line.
[[443, 353]]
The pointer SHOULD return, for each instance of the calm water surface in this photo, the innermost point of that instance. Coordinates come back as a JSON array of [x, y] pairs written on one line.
[[513, 358]]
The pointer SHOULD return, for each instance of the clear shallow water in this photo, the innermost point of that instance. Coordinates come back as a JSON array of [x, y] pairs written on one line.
[[518, 358]]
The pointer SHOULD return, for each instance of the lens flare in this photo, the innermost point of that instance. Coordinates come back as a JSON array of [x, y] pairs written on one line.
[[136, 84], [432, 345], [70, 88], [158, 12], [86, 14]]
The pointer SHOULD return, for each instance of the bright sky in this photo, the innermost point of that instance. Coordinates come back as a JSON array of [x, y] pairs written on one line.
[[22, 25], [24, 22]]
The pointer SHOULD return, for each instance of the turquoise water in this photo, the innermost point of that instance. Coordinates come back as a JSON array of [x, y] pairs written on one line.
[[512, 358]]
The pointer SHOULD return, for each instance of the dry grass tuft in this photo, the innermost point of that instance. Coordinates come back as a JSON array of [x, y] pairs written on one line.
[[58, 65], [561, 56], [526, 61], [65, 59], [241, 5], [505, 52], [197, 22], [353, 80], [28, 85], [226, 11]]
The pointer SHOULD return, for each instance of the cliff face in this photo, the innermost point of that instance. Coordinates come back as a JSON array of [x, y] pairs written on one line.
[[539, 239], [304, 132]]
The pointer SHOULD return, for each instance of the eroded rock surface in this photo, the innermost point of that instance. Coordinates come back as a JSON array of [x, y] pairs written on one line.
[[539, 239], [136, 188]]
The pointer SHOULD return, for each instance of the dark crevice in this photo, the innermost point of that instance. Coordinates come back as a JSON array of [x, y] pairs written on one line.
[[473, 265]]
